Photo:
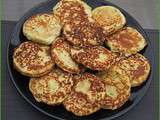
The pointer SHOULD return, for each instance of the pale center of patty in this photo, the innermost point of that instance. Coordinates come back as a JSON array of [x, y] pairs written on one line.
[[83, 86], [43, 57], [66, 58], [53, 86], [111, 91], [102, 57]]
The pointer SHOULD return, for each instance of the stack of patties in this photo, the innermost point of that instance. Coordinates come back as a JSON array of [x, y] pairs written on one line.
[[79, 27], [82, 58]]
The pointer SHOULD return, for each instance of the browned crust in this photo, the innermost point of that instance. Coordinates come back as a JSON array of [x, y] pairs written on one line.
[[110, 22], [87, 34], [24, 57], [126, 41], [33, 75], [123, 89], [87, 56], [32, 18], [47, 96], [96, 84], [139, 74], [79, 103], [62, 45], [42, 28], [71, 12], [86, 109]]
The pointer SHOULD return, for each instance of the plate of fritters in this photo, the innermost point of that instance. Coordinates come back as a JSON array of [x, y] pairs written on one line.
[[80, 59]]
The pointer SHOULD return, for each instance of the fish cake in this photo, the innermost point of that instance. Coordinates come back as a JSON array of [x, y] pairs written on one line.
[[52, 88], [118, 88], [128, 41], [60, 52], [86, 34], [32, 59], [109, 17], [42, 28], [95, 58], [72, 12], [86, 94], [137, 67]]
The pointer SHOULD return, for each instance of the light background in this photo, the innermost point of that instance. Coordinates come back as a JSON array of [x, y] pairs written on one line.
[[143, 10]]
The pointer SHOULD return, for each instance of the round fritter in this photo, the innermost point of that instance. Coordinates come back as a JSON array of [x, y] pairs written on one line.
[[32, 59], [95, 58], [86, 34], [52, 88], [42, 28], [127, 41], [109, 17], [72, 12], [118, 88], [137, 67], [60, 52], [87, 92]]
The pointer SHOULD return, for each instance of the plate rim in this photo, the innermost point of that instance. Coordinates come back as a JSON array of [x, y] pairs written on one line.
[[53, 116]]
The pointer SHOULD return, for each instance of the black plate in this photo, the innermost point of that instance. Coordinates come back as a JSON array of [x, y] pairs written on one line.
[[58, 112]]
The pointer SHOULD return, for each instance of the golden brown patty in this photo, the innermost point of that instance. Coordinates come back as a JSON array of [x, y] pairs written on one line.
[[72, 12], [60, 52], [79, 28], [95, 58], [52, 88], [137, 67], [118, 88], [86, 34], [127, 41], [32, 59], [84, 99], [109, 17], [42, 28]]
